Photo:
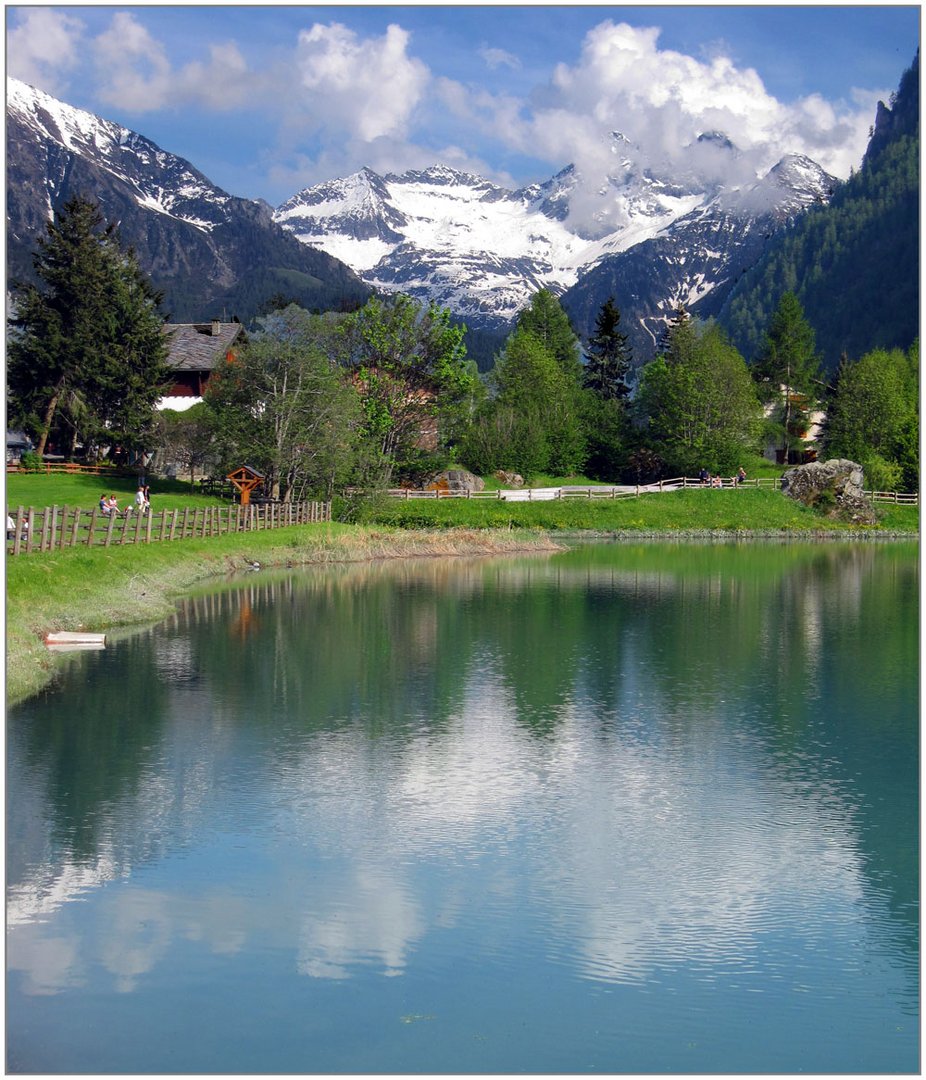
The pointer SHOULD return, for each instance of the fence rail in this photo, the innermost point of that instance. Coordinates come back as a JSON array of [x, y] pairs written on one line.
[[74, 468], [54, 528], [625, 491]]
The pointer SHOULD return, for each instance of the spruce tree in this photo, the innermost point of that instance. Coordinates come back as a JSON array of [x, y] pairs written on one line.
[[788, 369], [86, 352], [545, 318], [608, 356], [679, 337]]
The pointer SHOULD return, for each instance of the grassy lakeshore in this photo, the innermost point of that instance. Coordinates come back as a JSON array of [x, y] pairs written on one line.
[[98, 588], [692, 511]]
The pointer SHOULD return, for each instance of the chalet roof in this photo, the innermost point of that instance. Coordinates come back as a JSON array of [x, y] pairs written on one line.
[[200, 346]]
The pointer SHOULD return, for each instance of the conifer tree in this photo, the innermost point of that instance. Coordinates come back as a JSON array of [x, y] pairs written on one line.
[[788, 369], [608, 357], [86, 347], [545, 318], [679, 337]]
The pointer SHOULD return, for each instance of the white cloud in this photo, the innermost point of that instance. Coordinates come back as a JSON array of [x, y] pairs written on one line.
[[662, 100], [43, 47], [366, 88], [339, 100], [496, 58], [137, 73]]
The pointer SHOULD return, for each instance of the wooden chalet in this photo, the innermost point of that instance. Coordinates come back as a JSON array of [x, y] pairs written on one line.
[[196, 349]]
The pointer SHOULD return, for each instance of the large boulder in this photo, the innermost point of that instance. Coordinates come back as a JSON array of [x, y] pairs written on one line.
[[834, 485], [509, 479], [457, 480]]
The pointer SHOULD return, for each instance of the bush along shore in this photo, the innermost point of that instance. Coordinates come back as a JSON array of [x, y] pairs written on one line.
[[95, 589]]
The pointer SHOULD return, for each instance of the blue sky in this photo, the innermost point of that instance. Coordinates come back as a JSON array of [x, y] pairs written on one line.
[[266, 100]]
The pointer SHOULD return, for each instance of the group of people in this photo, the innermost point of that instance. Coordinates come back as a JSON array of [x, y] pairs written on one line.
[[715, 481], [110, 504]]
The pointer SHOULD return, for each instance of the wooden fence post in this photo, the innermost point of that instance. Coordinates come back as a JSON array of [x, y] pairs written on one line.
[[47, 517], [110, 521], [186, 511], [91, 530], [59, 538], [17, 540], [173, 523], [75, 528]]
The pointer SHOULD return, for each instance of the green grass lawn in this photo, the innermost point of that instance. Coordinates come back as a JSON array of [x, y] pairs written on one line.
[[62, 489], [678, 511], [692, 510]]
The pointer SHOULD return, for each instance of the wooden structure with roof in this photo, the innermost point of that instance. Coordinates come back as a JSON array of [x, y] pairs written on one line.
[[245, 480], [196, 349]]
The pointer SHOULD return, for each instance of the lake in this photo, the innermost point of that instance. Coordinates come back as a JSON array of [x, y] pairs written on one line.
[[626, 808]]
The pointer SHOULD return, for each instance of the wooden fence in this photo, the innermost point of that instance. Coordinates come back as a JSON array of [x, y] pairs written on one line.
[[623, 491], [74, 469], [54, 528]]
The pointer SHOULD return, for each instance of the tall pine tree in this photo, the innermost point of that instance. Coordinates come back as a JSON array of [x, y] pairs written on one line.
[[788, 370], [608, 356], [545, 318], [87, 353]]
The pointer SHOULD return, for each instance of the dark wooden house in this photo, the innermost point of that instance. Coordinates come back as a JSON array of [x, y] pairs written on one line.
[[195, 350]]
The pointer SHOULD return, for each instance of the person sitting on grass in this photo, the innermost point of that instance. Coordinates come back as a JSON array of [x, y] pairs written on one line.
[[114, 506], [104, 504], [11, 528], [740, 475]]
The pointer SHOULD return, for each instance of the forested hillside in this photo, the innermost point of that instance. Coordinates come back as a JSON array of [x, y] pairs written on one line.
[[854, 265]]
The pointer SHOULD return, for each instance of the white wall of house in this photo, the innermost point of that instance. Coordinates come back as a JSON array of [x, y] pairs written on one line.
[[180, 404]]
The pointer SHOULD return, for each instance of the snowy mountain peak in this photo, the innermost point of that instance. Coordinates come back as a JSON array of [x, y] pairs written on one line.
[[160, 181], [716, 138], [482, 250]]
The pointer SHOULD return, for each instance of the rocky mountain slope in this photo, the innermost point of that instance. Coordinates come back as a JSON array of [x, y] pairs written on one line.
[[651, 241], [651, 238], [211, 254], [854, 263]]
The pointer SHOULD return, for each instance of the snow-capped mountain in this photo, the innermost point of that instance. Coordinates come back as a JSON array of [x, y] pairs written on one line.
[[696, 260], [208, 251], [653, 239], [650, 236]]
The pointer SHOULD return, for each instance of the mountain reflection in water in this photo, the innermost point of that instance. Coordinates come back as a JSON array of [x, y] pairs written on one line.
[[651, 767]]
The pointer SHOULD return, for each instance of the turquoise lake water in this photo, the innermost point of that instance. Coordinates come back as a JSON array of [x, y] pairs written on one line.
[[623, 809]]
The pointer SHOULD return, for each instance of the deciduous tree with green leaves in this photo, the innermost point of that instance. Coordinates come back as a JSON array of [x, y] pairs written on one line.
[[86, 355], [284, 407], [186, 438], [545, 318], [531, 424], [417, 387], [699, 409], [873, 417]]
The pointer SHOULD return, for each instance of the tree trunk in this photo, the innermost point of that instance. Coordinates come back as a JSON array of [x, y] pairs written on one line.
[[49, 416]]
